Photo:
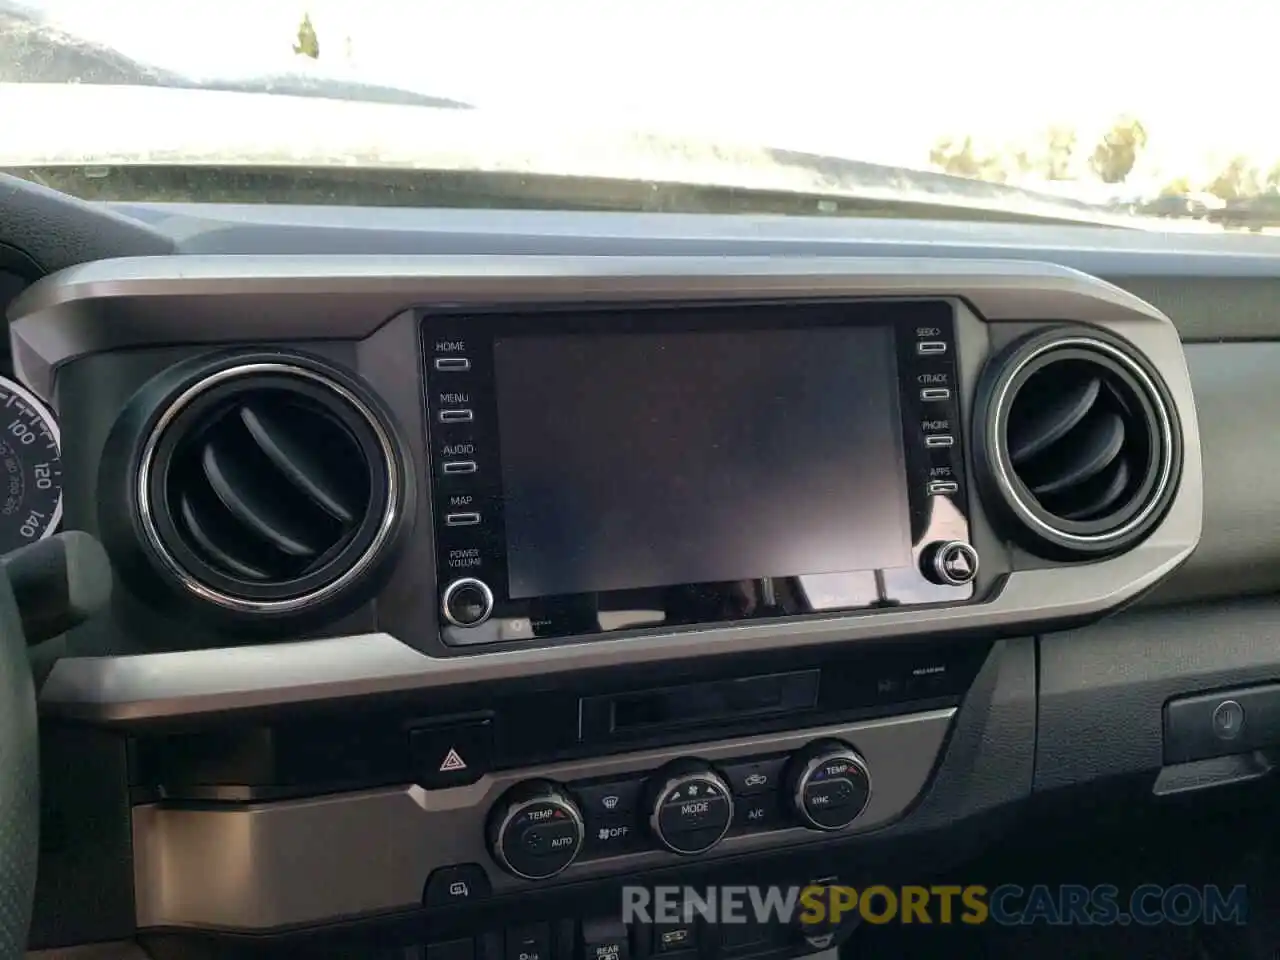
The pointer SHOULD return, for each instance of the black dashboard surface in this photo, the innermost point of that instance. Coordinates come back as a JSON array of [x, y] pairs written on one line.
[[1215, 287]]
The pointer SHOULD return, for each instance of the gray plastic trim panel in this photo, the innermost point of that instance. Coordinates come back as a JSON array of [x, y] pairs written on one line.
[[227, 300], [272, 865]]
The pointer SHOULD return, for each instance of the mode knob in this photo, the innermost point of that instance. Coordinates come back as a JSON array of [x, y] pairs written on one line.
[[536, 830], [828, 784], [692, 807]]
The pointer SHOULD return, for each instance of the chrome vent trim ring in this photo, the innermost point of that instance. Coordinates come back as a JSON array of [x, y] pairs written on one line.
[[1002, 463], [294, 604]]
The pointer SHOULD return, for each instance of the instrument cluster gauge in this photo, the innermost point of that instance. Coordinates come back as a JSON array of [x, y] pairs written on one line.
[[30, 468]]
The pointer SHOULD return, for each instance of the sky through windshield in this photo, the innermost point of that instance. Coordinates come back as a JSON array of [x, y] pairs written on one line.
[[878, 81]]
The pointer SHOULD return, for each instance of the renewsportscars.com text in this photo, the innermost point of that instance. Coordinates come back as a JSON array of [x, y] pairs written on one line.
[[1007, 905]]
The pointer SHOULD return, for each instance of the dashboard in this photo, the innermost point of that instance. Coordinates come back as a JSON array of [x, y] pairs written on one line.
[[525, 563]]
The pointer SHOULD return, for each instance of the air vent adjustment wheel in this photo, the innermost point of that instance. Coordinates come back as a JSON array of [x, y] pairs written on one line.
[[1078, 444], [259, 485]]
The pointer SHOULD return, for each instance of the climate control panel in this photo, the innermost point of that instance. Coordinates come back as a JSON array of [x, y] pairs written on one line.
[[688, 806]]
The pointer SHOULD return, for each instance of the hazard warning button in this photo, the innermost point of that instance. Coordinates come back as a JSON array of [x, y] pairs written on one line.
[[451, 755]]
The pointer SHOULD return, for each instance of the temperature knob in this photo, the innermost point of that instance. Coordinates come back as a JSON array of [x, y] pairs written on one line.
[[536, 830], [828, 784], [692, 807]]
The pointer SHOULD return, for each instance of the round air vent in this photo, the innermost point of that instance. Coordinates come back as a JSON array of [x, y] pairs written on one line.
[[264, 485], [1081, 448]]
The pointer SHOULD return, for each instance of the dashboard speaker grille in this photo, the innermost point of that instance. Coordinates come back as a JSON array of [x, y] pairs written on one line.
[[1082, 445], [268, 487]]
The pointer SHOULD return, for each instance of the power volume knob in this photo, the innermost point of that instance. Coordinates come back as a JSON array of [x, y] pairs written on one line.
[[692, 807], [828, 784], [536, 830], [467, 602]]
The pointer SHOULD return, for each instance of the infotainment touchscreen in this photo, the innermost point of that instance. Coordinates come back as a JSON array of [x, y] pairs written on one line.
[[644, 460], [614, 467]]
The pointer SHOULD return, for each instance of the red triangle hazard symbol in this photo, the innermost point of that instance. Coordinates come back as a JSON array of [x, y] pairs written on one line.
[[452, 762]]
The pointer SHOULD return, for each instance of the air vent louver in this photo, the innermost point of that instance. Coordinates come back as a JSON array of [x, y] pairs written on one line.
[[1078, 443], [1081, 446], [268, 487]]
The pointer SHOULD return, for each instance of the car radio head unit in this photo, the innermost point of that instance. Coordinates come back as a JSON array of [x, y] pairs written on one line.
[[596, 471]]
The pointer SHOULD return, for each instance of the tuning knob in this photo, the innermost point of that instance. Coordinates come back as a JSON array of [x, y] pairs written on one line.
[[950, 563], [535, 830], [828, 785], [692, 807]]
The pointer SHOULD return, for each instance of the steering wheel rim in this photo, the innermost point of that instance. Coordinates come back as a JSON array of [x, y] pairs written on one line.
[[19, 781]]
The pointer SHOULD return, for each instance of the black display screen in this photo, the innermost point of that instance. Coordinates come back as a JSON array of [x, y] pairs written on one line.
[[638, 460]]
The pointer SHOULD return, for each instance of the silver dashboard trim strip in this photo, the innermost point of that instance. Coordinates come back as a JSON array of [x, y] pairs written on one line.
[[238, 866], [531, 277], [349, 297], [190, 683]]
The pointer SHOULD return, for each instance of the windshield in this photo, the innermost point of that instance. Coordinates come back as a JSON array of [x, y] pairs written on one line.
[[1104, 112]]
